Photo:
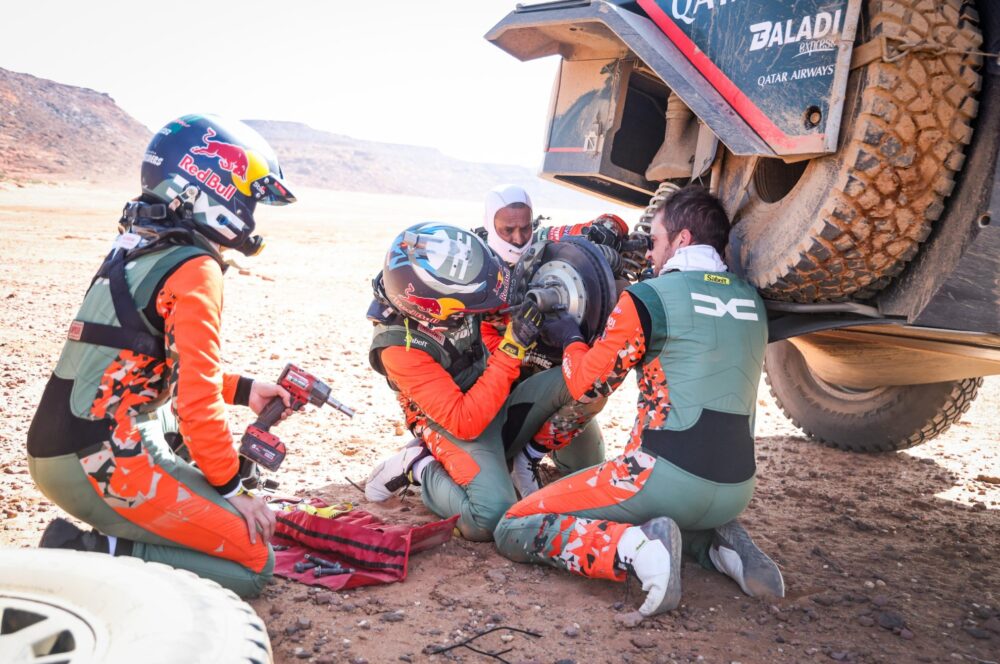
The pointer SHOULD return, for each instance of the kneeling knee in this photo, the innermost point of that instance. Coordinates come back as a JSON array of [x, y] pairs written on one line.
[[475, 533], [484, 521], [508, 542], [256, 581]]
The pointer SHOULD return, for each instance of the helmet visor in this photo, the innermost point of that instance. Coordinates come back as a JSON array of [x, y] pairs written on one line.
[[271, 190]]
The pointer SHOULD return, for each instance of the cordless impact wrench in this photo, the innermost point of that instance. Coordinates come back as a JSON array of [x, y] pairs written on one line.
[[261, 446]]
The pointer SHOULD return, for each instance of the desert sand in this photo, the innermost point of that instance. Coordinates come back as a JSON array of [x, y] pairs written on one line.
[[887, 558]]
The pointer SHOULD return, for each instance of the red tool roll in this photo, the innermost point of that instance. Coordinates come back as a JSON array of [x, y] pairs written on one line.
[[378, 552]]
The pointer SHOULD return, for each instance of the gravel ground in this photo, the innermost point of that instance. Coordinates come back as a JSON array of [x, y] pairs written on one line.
[[887, 558]]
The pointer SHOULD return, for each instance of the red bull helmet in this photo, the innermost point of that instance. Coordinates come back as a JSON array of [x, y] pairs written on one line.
[[437, 274], [212, 172]]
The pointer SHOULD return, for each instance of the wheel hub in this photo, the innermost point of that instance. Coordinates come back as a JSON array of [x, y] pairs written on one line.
[[32, 630]]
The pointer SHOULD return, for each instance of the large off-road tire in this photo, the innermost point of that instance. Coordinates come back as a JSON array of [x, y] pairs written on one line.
[[845, 224], [74, 608], [882, 419]]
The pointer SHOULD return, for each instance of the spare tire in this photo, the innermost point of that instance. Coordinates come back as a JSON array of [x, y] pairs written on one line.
[[72, 607], [881, 419], [844, 224]]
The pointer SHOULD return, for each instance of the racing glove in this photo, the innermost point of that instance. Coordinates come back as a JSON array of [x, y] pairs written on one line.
[[607, 230], [561, 331], [522, 331]]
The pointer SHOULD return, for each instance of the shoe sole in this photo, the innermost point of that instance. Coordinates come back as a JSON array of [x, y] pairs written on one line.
[[665, 530], [761, 575], [58, 533]]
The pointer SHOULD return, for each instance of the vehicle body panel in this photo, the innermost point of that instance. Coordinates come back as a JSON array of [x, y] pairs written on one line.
[[942, 315]]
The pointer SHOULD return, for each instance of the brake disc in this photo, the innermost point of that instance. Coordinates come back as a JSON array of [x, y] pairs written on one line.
[[570, 275]]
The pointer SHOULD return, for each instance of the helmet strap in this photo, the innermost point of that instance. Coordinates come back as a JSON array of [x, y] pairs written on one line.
[[136, 210], [148, 224]]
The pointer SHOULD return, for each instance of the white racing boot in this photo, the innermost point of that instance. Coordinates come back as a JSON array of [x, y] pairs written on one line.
[[524, 474], [734, 554], [652, 553], [394, 474]]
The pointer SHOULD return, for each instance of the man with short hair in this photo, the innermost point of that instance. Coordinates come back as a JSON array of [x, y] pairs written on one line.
[[696, 334]]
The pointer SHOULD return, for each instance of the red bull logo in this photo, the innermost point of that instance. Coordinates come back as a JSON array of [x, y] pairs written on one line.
[[436, 308], [231, 157], [210, 178], [502, 288]]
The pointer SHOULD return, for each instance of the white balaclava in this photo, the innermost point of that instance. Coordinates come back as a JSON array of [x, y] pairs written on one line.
[[498, 198]]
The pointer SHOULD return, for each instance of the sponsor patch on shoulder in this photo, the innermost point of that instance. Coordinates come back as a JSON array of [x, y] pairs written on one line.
[[75, 330], [717, 279]]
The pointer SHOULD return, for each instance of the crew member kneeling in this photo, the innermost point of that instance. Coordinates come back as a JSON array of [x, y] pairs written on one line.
[[148, 332], [696, 334], [456, 396]]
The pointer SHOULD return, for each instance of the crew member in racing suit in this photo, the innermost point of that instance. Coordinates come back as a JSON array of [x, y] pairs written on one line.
[[148, 332], [696, 335], [456, 396], [509, 231]]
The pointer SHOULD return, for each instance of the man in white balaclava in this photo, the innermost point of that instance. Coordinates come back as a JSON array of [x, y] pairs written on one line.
[[508, 221], [509, 231], [508, 228]]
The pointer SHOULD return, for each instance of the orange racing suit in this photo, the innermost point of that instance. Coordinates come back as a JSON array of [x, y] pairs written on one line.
[[96, 427]]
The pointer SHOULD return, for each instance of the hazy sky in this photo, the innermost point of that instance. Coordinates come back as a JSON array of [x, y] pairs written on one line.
[[390, 70]]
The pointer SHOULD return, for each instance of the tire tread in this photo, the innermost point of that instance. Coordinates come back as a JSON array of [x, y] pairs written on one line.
[[947, 413], [900, 159]]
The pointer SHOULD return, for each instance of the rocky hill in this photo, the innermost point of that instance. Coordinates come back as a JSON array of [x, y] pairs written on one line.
[[48, 129], [53, 131], [320, 159]]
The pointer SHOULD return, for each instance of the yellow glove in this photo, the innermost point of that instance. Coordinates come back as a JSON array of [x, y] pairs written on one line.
[[522, 332]]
